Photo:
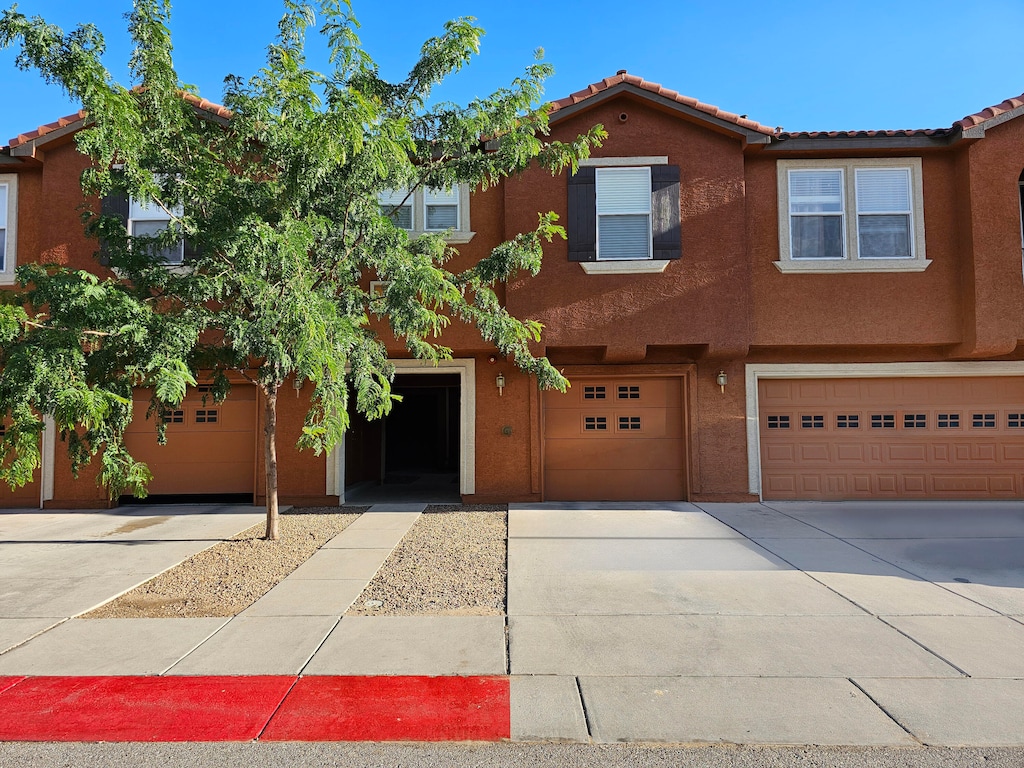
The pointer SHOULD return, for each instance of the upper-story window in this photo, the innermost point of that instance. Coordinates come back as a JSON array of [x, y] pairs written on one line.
[[8, 226], [149, 220], [430, 210], [397, 203], [441, 209], [624, 214], [851, 215]]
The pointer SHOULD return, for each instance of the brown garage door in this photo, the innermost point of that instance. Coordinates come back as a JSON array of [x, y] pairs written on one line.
[[615, 439], [934, 438], [210, 448]]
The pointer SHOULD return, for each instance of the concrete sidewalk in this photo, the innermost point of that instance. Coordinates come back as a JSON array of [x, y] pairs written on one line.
[[852, 624], [60, 564], [769, 624]]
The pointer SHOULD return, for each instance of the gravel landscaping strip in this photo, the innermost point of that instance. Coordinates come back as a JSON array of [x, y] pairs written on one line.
[[230, 576], [452, 562]]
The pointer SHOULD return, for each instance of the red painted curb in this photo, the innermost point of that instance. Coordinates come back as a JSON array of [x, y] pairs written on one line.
[[393, 709], [140, 708], [273, 708], [9, 682]]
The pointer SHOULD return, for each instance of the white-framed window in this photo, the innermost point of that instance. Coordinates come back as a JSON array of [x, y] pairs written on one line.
[[623, 213], [885, 219], [851, 215], [8, 226], [149, 219], [430, 210], [399, 204], [440, 209]]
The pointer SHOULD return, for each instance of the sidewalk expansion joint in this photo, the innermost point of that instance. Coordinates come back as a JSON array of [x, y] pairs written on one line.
[[280, 704], [583, 706], [915, 641], [883, 710]]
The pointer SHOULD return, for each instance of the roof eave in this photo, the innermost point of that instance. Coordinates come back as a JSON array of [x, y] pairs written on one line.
[[977, 131], [28, 147], [847, 143], [749, 136]]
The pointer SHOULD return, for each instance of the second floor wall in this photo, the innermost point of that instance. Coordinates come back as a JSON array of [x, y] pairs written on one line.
[[731, 285]]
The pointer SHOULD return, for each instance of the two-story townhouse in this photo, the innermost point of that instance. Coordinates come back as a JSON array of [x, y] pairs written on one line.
[[742, 312]]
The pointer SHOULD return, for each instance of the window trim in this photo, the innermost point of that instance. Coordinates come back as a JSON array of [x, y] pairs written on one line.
[[418, 201], [426, 193], [851, 261], [163, 216], [582, 216], [387, 198], [10, 182], [648, 212]]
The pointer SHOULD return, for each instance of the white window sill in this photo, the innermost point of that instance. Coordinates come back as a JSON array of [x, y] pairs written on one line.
[[648, 267], [824, 267], [455, 236]]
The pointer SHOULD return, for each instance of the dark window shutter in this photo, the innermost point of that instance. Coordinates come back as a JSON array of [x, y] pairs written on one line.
[[582, 223], [665, 211], [114, 204]]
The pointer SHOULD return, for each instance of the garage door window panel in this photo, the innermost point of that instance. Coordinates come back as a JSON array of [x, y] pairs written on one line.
[[983, 420], [915, 421], [883, 421], [629, 423]]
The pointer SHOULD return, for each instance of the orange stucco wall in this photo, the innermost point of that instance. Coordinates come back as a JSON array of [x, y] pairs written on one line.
[[722, 305]]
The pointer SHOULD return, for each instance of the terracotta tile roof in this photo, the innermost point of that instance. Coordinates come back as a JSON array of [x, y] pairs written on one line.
[[990, 112], [908, 133], [623, 77], [206, 105], [42, 130]]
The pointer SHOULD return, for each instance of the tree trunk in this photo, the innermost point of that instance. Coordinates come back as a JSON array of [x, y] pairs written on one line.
[[270, 459]]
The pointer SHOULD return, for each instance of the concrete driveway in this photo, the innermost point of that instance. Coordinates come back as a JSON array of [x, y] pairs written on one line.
[[849, 624], [807, 623], [58, 564]]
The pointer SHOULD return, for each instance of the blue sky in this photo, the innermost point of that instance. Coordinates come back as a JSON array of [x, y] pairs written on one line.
[[820, 66]]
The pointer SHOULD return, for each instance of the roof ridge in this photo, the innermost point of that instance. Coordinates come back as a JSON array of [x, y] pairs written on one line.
[[623, 77]]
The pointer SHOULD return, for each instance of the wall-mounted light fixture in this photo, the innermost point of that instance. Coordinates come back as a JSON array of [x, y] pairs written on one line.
[[722, 380], [500, 383], [297, 382]]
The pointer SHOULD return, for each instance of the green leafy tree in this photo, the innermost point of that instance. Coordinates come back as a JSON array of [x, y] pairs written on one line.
[[279, 202]]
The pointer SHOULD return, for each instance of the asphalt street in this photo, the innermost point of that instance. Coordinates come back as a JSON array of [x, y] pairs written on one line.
[[258, 755]]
